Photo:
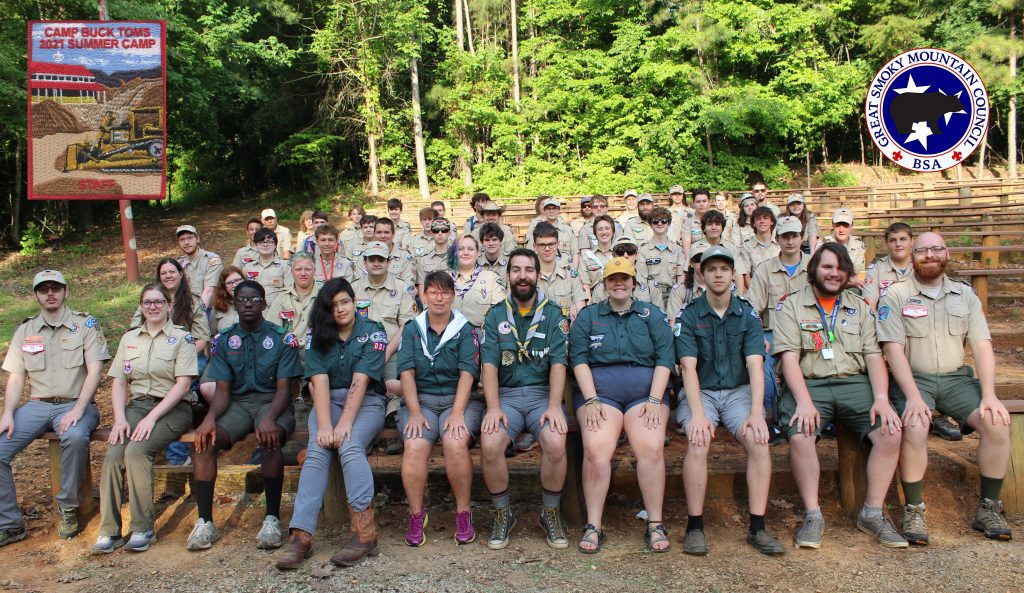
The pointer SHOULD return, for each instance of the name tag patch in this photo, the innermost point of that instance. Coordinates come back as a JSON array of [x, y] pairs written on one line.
[[33, 345], [915, 311], [811, 326]]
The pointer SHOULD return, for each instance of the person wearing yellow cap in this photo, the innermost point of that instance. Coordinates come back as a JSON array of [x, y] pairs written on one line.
[[551, 209], [202, 267], [842, 228], [284, 234], [621, 354], [60, 352]]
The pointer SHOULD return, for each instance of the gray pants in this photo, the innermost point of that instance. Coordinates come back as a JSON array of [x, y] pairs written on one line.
[[132, 461], [354, 466], [31, 420]]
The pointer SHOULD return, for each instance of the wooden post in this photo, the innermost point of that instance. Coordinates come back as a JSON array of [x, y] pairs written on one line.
[[574, 507], [853, 475], [1013, 485], [85, 502], [335, 509], [980, 285]]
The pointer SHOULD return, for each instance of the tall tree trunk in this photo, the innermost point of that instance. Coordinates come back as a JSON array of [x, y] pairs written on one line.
[[1011, 124], [465, 162], [460, 32], [860, 136], [469, 25], [371, 140], [981, 156], [707, 142], [16, 202], [808, 169], [417, 130], [515, 55]]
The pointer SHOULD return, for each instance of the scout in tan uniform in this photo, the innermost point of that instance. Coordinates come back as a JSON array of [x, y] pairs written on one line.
[[352, 233], [560, 283], [593, 259], [475, 201], [491, 211], [437, 257], [693, 232], [630, 197], [586, 215], [476, 289], [402, 229], [283, 233], [744, 229], [356, 243], [585, 237], [643, 290], [665, 263], [712, 225], [833, 370], [247, 252], [292, 308], [269, 269], [401, 264], [328, 263], [566, 237], [760, 191], [637, 225], [422, 242], [185, 309], [224, 314], [491, 258], [842, 225], [891, 268], [61, 353], [681, 213], [795, 207], [202, 268], [923, 323], [761, 245], [722, 205], [152, 370], [689, 290]]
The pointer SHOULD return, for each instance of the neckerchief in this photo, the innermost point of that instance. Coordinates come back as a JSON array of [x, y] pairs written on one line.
[[541, 300], [454, 327], [461, 292]]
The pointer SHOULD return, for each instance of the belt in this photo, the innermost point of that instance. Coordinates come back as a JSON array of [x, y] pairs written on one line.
[[55, 400]]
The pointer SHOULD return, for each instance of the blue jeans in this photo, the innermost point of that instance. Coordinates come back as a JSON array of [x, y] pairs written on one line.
[[771, 385], [177, 452]]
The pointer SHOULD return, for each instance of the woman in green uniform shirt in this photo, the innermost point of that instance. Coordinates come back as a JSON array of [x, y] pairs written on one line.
[[621, 355], [154, 365]]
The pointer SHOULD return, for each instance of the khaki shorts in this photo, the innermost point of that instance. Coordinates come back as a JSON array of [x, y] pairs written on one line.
[[841, 400], [727, 407], [391, 369], [245, 412], [956, 394]]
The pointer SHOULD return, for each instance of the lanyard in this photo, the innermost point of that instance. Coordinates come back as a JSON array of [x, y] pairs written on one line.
[[523, 347], [324, 269], [830, 330]]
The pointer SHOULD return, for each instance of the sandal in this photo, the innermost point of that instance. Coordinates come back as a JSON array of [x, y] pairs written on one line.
[[656, 534], [592, 535]]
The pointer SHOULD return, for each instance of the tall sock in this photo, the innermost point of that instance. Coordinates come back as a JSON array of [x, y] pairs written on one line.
[[203, 491], [813, 513], [867, 511], [756, 523], [501, 500], [990, 487], [272, 487], [914, 492], [695, 523], [551, 500]]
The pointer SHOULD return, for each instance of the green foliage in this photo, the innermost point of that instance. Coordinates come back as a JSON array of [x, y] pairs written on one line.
[[836, 176], [33, 239]]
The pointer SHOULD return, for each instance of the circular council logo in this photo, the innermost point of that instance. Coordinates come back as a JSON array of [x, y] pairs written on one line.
[[927, 109]]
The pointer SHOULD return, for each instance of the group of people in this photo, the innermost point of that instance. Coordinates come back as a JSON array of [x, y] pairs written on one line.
[[753, 323]]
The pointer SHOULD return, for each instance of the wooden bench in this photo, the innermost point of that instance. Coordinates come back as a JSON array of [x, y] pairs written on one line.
[[979, 279]]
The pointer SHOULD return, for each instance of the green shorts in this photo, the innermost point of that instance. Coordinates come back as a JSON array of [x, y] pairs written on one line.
[[391, 369], [245, 412], [956, 394], [842, 400]]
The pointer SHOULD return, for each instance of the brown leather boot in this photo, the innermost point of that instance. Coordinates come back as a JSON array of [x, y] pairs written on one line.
[[364, 539], [298, 549]]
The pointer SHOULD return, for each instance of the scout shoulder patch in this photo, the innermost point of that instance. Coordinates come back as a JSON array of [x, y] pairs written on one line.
[[268, 343], [91, 321], [235, 342], [883, 312]]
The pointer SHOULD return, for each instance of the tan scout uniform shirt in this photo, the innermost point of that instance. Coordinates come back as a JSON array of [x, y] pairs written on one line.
[[771, 206], [681, 217], [54, 358], [328, 269], [566, 239], [798, 328], [284, 240], [200, 325], [757, 252], [275, 276], [152, 363], [771, 284], [696, 233], [291, 311], [638, 229], [203, 271], [665, 267], [353, 234], [881, 273], [473, 299], [402, 231], [681, 297], [353, 249], [742, 263], [393, 303], [498, 266], [508, 243], [586, 239], [244, 255], [430, 262], [562, 287], [418, 245], [812, 227], [224, 319], [591, 268], [932, 331], [855, 247]]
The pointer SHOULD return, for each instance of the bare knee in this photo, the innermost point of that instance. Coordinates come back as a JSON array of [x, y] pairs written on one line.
[[699, 452], [417, 449], [455, 447], [884, 442], [995, 434], [552, 445], [802, 446], [493, 445]]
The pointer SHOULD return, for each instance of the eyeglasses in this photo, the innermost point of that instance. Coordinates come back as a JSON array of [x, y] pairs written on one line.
[[759, 191], [934, 250], [49, 289], [661, 221], [621, 251], [440, 231], [267, 242], [233, 282], [249, 300], [154, 304], [439, 294], [546, 245]]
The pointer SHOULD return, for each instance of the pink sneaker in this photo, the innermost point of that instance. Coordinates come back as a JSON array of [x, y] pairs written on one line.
[[415, 535], [464, 532]]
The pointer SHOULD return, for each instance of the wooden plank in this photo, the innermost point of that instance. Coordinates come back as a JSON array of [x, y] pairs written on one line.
[[979, 283], [1013, 485], [574, 506], [335, 509], [853, 477], [86, 506]]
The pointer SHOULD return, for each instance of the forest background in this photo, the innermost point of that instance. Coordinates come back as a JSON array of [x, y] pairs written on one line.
[[312, 102]]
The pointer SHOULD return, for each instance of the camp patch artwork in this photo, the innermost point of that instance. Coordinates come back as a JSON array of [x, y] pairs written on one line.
[[97, 110]]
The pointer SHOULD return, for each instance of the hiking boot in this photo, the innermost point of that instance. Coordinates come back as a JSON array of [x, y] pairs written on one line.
[[765, 543], [364, 539], [913, 527], [257, 456], [988, 519], [809, 534], [11, 535], [393, 447], [882, 530], [106, 544], [271, 535], [464, 532], [299, 548], [203, 535], [504, 521], [829, 431], [775, 436], [554, 530], [67, 526], [140, 542], [694, 543], [414, 535], [945, 427]]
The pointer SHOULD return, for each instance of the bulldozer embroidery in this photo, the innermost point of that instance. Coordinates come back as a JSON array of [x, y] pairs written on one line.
[[136, 145]]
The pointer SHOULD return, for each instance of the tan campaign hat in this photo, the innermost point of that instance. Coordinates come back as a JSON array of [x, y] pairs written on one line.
[[788, 224], [629, 192], [48, 276], [619, 265], [550, 202], [186, 228], [268, 213], [491, 206], [843, 215], [719, 252], [794, 198], [376, 248], [676, 189]]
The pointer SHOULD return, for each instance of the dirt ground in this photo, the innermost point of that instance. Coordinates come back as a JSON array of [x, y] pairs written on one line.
[[958, 559]]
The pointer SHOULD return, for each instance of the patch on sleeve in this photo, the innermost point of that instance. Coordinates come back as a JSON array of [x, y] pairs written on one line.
[[564, 326], [190, 338], [92, 322], [883, 312], [753, 313], [215, 261]]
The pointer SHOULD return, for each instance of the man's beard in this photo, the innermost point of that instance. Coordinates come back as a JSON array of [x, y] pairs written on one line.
[[820, 287], [644, 216], [526, 293], [930, 270]]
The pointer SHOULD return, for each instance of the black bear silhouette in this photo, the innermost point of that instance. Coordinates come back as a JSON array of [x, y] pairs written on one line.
[[908, 108]]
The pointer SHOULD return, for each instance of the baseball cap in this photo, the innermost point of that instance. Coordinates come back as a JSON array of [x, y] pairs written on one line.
[[719, 252], [624, 240], [676, 189], [645, 198], [586, 200], [186, 228], [440, 224], [794, 198], [747, 196], [491, 206], [550, 202], [48, 276], [629, 192], [268, 213], [843, 215], [376, 249], [619, 265], [788, 224]]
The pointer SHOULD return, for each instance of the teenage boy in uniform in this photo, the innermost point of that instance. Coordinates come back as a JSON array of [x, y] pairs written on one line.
[[248, 252], [284, 234], [202, 268]]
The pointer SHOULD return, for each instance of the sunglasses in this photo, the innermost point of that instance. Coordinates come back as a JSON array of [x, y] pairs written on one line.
[[439, 231], [624, 251], [661, 221]]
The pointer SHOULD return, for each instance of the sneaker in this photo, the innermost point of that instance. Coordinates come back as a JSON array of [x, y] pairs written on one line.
[[809, 534], [394, 447], [945, 427], [11, 535], [882, 529], [203, 535], [271, 535], [256, 458], [504, 521], [765, 543], [694, 543], [140, 542], [913, 527], [67, 526], [464, 532], [829, 431], [106, 544], [775, 436], [554, 530], [526, 441], [988, 519], [415, 536]]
